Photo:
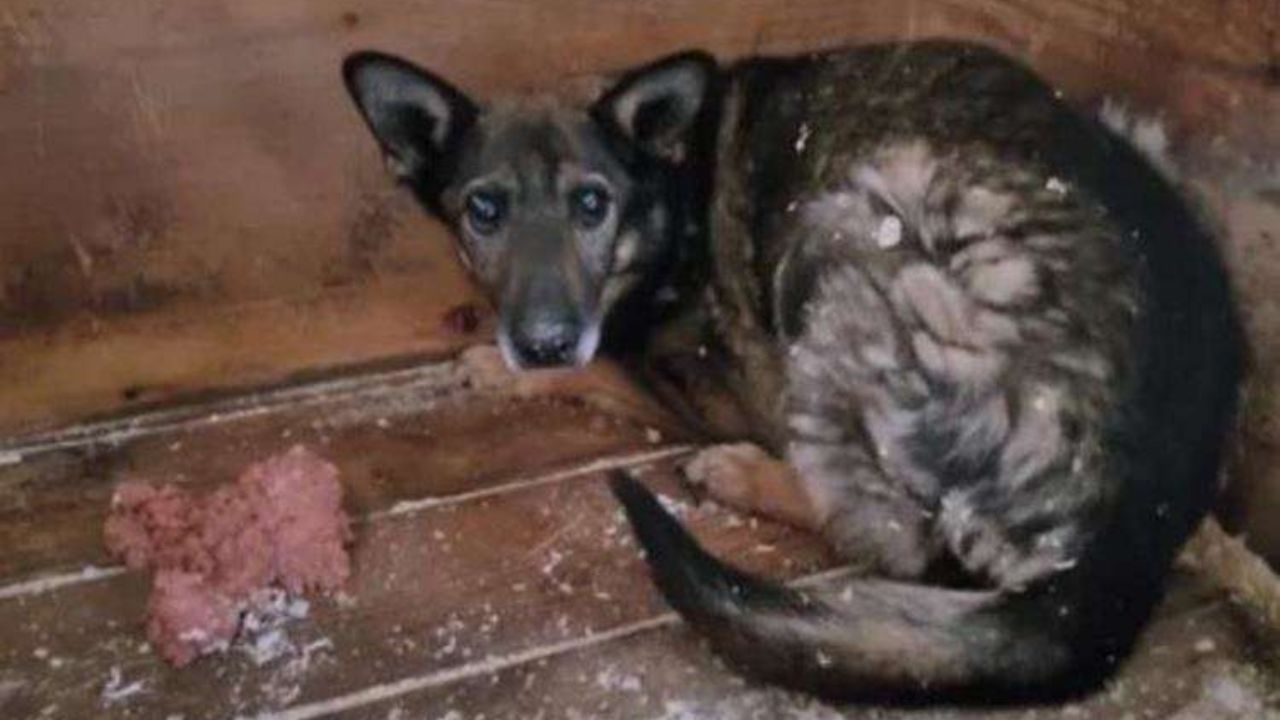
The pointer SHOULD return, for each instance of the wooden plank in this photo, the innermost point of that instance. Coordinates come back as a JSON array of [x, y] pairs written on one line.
[[228, 221], [1251, 209], [539, 565], [75, 372], [404, 438], [1195, 662]]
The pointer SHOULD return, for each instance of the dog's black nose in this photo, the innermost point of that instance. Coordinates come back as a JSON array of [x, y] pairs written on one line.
[[546, 343]]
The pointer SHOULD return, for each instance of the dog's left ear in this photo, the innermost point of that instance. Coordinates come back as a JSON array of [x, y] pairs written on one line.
[[656, 106], [417, 117]]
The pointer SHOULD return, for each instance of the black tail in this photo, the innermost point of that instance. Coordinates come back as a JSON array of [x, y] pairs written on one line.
[[875, 640]]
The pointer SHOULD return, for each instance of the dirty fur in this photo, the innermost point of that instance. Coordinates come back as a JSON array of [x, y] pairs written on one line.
[[995, 346]]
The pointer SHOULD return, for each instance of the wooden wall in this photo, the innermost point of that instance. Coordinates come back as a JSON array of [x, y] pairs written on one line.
[[188, 204]]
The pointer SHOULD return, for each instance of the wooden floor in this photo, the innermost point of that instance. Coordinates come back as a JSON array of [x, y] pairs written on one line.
[[231, 225], [495, 577]]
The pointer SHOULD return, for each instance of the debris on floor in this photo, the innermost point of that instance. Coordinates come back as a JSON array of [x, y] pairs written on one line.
[[217, 556]]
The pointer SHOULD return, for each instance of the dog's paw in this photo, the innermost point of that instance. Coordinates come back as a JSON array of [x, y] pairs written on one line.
[[482, 368], [746, 477], [728, 473]]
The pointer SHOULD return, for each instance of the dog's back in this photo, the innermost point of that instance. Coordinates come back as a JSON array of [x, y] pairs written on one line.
[[998, 339]]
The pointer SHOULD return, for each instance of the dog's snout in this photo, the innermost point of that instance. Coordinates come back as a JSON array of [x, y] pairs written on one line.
[[547, 320], [546, 342]]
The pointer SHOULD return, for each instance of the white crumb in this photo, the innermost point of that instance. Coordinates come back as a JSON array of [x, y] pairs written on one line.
[[264, 637], [889, 234], [678, 508], [268, 646], [611, 679], [554, 558], [115, 689], [802, 137]]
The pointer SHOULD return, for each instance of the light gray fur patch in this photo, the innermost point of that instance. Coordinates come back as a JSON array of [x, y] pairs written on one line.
[[981, 212], [926, 388], [815, 427], [980, 542], [1009, 281], [901, 176], [945, 310], [1037, 441], [843, 213], [899, 179], [956, 364]]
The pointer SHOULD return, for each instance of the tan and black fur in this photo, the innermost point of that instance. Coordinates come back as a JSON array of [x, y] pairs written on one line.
[[995, 349]]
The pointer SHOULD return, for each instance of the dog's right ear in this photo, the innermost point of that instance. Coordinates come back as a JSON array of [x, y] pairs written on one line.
[[416, 117]]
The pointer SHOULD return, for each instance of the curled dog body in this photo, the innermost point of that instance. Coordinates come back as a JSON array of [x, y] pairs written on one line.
[[992, 352]]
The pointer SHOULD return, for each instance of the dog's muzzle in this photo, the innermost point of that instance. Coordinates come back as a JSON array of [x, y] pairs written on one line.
[[549, 342]]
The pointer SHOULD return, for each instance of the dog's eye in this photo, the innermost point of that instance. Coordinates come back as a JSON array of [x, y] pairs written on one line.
[[590, 205], [486, 210]]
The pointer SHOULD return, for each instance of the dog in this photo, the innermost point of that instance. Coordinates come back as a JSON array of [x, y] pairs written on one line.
[[973, 338]]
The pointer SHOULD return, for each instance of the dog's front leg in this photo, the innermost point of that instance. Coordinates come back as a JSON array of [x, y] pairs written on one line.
[[746, 477]]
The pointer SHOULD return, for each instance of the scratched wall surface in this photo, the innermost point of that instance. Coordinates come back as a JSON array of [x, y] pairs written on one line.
[[188, 204]]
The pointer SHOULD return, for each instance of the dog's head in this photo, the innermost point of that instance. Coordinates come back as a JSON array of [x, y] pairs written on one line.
[[558, 212]]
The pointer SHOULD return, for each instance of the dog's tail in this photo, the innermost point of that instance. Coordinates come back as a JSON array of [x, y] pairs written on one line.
[[886, 641]]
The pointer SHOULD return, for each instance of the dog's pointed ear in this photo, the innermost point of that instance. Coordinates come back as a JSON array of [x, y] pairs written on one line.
[[416, 117], [656, 106]]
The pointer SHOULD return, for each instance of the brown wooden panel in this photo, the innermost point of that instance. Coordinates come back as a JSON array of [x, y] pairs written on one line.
[[115, 365], [1250, 207], [195, 167]]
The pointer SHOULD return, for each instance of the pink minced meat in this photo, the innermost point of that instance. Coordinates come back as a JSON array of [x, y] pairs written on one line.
[[280, 523]]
